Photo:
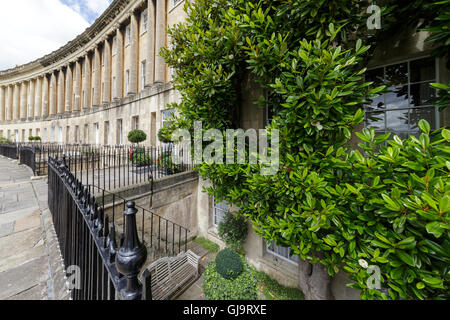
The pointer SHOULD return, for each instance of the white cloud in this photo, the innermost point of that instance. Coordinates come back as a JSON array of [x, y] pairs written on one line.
[[32, 29], [97, 6]]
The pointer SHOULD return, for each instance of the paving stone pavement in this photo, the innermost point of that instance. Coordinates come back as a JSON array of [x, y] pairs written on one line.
[[30, 260]]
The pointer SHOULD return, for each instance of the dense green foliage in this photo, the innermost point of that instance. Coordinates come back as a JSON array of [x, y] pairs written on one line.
[[164, 135], [5, 140], [229, 263], [32, 138], [442, 101], [439, 11], [273, 290], [216, 287], [233, 230], [330, 204], [137, 136]]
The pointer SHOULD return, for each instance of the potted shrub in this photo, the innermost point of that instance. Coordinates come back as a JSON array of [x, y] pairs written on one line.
[[166, 165], [139, 157]]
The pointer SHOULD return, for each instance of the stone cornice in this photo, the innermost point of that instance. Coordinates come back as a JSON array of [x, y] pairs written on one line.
[[115, 9]]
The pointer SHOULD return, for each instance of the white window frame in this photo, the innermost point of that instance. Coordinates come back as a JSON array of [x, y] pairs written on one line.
[[409, 84], [135, 123], [218, 213], [277, 254], [127, 35], [120, 131], [106, 132], [174, 3], [114, 87], [77, 134], [114, 45], [67, 134], [144, 22], [86, 133], [143, 71], [97, 133], [127, 81]]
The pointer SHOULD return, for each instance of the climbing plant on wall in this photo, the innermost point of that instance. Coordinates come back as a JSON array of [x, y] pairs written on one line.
[[386, 209]]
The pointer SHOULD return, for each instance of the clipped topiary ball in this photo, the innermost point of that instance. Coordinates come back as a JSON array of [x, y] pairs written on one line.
[[229, 264], [137, 136]]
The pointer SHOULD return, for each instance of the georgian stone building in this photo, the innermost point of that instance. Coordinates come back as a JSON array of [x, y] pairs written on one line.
[[110, 80], [98, 87]]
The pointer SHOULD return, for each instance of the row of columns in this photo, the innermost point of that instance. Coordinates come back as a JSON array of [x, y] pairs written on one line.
[[83, 83]]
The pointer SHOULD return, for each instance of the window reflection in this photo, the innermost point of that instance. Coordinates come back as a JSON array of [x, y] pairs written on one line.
[[406, 100], [397, 74], [421, 94], [423, 70]]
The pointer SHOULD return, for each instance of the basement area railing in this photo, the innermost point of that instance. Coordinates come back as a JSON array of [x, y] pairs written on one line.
[[108, 261], [106, 271]]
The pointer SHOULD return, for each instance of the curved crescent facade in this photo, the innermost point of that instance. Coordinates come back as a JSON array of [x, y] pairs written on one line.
[[99, 86]]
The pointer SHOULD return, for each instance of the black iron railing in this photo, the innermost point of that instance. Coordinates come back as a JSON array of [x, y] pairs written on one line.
[[108, 167], [158, 233], [27, 156], [9, 151], [87, 239]]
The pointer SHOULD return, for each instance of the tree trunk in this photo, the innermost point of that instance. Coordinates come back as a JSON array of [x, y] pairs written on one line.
[[315, 282]]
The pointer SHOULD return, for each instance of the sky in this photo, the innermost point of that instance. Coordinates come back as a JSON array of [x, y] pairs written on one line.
[[33, 28]]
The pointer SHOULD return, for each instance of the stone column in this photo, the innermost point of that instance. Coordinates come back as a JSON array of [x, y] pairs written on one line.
[[2, 104], [77, 88], [160, 40], [87, 82], [69, 85], [134, 53], [150, 76], [107, 72], [9, 104], [38, 98], [16, 102], [52, 96], [60, 98], [31, 99], [45, 96], [23, 100], [97, 78], [119, 64]]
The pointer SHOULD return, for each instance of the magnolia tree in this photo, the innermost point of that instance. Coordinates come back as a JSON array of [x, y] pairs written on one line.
[[380, 213]]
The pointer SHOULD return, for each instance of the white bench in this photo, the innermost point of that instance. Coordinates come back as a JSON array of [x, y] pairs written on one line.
[[169, 276]]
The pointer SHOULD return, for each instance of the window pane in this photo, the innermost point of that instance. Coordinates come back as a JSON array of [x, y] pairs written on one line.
[[397, 98], [397, 120], [282, 252], [375, 75], [377, 103], [397, 74], [375, 120], [222, 205], [423, 70], [422, 113], [421, 93]]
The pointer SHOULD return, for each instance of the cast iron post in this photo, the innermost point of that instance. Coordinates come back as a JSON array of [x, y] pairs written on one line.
[[131, 256]]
